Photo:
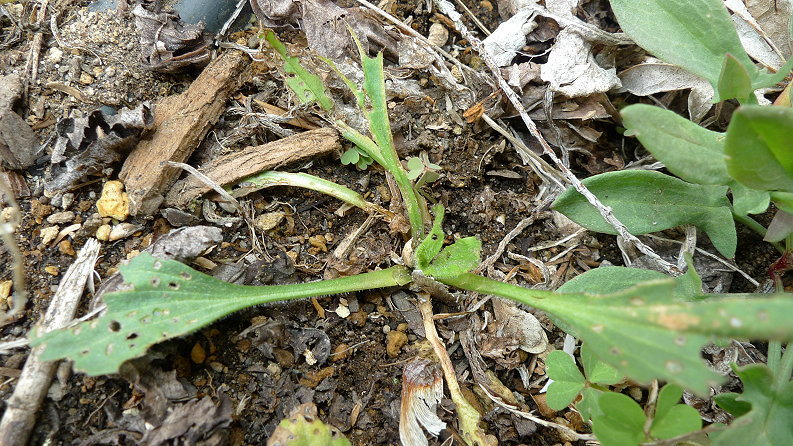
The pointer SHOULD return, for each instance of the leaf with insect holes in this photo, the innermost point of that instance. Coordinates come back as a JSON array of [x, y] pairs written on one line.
[[306, 429], [691, 152], [308, 87], [759, 147], [168, 299], [645, 333], [672, 419], [648, 201], [567, 383], [620, 422], [767, 423]]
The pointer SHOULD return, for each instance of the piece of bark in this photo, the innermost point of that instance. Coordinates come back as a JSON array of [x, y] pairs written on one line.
[[233, 167], [18, 145], [181, 122], [31, 388]]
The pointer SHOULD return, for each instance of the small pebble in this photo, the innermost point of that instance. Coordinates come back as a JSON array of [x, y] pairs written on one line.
[[340, 353], [114, 202], [216, 366], [65, 247], [268, 221], [395, 340], [67, 200], [52, 270], [122, 230], [318, 241], [103, 233], [48, 234], [198, 354], [61, 217]]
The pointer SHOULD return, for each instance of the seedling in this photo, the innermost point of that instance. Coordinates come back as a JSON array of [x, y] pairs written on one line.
[[645, 331], [422, 170]]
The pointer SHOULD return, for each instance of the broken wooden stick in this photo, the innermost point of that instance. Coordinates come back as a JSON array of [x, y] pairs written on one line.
[[235, 166], [181, 122]]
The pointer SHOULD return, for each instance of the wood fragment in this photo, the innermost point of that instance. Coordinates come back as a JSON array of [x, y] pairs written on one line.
[[233, 167], [181, 122], [20, 415]]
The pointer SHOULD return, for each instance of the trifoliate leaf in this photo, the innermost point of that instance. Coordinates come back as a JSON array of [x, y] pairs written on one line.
[[567, 380], [621, 421]]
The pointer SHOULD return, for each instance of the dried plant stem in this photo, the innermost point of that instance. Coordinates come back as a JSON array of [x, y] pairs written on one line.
[[20, 415], [7, 229], [466, 414], [605, 211]]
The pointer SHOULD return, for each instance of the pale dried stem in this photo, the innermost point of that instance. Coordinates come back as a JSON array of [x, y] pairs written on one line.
[[605, 211], [7, 229], [20, 415]]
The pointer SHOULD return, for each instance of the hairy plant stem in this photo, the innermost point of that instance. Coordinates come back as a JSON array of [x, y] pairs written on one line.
[[752, 224], [480, 284]]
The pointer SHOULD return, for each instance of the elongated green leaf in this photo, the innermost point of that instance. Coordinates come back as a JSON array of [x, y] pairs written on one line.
[[759, 147], [768, 422], [612, 279], [646, 333], [691, 152], [567, 380], [308, 87], [648, 201], [168, 299], [735, 81], [621, 421], [694, 34]]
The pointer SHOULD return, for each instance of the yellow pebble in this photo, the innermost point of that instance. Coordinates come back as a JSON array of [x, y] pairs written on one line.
[[103, 233], [52, 270], [114, 202]]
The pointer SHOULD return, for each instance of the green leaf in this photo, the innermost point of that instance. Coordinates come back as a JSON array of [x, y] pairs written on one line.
[[783, 200], [759, 147], [729, 402], [306, 430], [668, 397], [679, 420], [432, 243], [567, 380], [694, 34], [588, 406], [168, 299], [735, 81], [609, 279], [645, 333], [747, 201], [597, 371], [351, 156], [455, 259], [308, 87], [621, 422], [768, 423], [691, 152], [648, 201]]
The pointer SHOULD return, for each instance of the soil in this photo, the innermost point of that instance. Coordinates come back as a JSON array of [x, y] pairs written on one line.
[[251, 357]]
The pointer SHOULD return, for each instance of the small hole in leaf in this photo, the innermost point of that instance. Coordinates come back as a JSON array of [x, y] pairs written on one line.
[[84, 352], [175, 320], [132, 345], [735, 322], [598, 328], [132, 313], [132, 336], [680, 340], [157, 264], [674, 366], [145, 319], [185, 275], [109, 349], [114, 326], [616, 351], [173, 285], [155, 281]]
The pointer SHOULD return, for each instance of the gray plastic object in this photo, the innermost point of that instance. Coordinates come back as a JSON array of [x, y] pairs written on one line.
[[214, 13]]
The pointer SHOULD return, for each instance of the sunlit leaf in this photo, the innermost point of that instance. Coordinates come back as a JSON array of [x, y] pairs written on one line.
[[621, 421], [735, 81], [672, 419], [455, 259]]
